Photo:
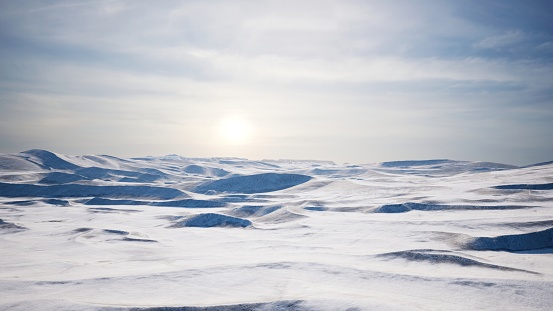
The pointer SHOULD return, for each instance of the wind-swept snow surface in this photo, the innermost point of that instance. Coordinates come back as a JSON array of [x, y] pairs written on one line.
[[176, 233], [258, 183]]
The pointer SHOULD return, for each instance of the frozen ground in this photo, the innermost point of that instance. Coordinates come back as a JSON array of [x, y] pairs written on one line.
[[173, 233]]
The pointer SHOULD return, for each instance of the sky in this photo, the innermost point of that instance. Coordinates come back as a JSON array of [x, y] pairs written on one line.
[[349, 81]]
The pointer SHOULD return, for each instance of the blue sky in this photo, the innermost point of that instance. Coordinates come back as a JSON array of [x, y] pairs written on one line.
[[349, 81]]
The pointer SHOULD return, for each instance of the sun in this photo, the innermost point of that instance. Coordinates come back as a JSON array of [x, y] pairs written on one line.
[[235, 130]]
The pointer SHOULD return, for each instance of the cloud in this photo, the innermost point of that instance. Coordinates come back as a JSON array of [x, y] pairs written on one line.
[[546, 46], [353, 74], [511, 37]]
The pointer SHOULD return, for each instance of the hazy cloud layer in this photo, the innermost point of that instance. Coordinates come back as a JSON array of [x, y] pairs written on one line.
[[357, 81]]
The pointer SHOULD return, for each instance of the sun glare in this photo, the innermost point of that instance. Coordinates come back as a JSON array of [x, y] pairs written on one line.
[[235, 130]]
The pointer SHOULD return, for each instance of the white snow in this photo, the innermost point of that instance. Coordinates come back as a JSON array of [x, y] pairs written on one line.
[[103, 233]]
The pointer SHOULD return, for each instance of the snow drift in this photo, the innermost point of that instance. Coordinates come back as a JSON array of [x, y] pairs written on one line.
[[548, 186], [8, 227], [514, 242], [76, 191], [209, 220], [48, 160], [443, 257], [190, 203], [411, 206], [258, 183]]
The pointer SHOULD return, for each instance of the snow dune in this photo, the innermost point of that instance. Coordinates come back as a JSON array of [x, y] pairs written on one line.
[[514, 242], [17, 163], [212, 220], [206, 171], [548, 186], [257, 183], [442, 167], [444, 257], [110, 236], [412, 206], [119, 175], [77, 190], [56, 202], [414, 163], [56, 178], [191, 203], [96, 232], [47, 160], [255, 210], [10, 227], [277, 306]]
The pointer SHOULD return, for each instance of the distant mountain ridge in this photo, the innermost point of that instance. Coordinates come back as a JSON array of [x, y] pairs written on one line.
[[52, 160], [42, 167]]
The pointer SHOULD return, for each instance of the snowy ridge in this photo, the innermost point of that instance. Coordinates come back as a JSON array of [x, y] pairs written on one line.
[[77, 190], [208, 220], [443, 257], [258, 183], [97, 232], [514, 242], [411, 206], [548, 186]]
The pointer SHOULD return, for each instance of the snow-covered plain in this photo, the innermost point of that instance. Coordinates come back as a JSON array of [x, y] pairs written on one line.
[[174, 233]]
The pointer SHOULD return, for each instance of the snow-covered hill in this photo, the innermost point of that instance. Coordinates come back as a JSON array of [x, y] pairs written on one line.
[[104, 233]]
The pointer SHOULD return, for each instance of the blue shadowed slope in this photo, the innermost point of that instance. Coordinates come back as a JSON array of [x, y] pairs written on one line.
[[253, 183], [76, 191]]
